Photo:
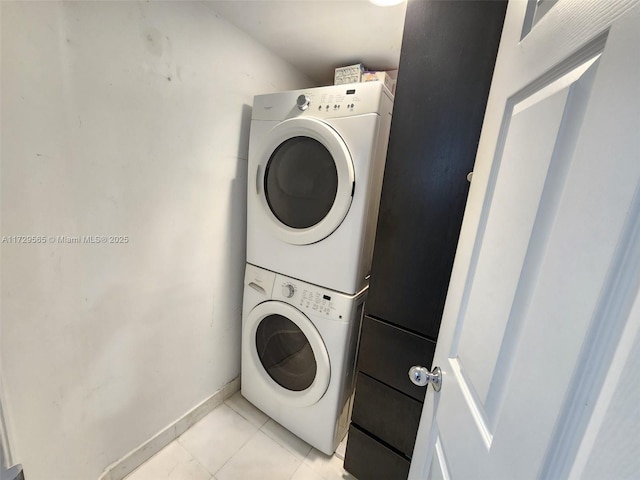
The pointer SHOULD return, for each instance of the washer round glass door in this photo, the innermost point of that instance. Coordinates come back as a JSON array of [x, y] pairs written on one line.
[[288, 352], [305, 180]]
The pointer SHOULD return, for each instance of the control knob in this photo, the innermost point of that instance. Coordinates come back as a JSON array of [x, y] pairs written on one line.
[[303, 102], [288, 290]]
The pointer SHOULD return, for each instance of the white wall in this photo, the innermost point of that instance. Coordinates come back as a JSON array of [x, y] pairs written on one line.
[[121, 119]]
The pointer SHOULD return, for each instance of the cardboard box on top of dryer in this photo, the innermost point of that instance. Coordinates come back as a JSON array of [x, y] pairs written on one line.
[[384, 77], [348, 74]]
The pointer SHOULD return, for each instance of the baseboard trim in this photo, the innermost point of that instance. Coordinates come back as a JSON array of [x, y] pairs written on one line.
[[127, 464]]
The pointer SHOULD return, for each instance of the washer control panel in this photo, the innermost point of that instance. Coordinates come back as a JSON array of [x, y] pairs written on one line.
[[312, 300], [317, 301]]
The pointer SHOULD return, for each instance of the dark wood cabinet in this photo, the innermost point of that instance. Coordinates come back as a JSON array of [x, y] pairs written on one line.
[[386, 350], [398, 426], [375, 460], [446, 64]]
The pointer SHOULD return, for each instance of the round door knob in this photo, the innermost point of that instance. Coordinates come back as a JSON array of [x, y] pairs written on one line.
[[288, 290], [421, 376], [303, 102]]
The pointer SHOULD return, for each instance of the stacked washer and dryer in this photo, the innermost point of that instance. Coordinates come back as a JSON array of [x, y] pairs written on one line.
[[316, 161]]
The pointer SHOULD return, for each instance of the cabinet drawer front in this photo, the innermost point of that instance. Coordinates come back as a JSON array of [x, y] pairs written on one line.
[[368, 459], [386, 414], [387, 353]]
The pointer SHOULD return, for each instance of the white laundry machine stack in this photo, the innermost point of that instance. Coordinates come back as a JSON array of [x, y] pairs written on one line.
[[316, 161]]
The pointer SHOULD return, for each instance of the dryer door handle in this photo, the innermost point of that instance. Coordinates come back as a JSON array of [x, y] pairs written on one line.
[[258, 180]]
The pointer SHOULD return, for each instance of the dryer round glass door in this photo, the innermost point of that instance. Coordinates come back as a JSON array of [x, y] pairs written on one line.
[[305, 180], [288, 353], [300, 182]]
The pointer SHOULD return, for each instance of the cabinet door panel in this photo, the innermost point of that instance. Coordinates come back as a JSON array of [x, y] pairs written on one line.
[[446, 64], [387, 353], [368, 459], [386, 414]]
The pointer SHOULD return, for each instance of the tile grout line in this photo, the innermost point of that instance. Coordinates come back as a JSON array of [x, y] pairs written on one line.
[[133, 460], [273, 438], [193, 456], [300, 466], [247, 419], [282, 442], [239, 448], [302, 460]]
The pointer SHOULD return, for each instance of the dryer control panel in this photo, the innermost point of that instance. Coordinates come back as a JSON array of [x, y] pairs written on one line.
[[336, 102], [322, 102]]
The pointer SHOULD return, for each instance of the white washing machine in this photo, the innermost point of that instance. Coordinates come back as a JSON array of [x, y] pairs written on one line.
[[299, 344], [316, 161]]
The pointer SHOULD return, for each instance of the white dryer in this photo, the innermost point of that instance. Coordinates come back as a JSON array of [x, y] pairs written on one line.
[[316, 161], [299, 344]]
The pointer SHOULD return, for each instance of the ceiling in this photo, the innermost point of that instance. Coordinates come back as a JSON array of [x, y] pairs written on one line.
[[317, 36]]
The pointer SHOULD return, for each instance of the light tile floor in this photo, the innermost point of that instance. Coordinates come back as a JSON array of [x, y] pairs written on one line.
[[236, 441]]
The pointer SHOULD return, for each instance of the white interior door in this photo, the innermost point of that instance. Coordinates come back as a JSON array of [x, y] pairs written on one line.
[[540, 331]]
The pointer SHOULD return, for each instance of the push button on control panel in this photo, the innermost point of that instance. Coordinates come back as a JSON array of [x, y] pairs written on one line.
[[335, 107]]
